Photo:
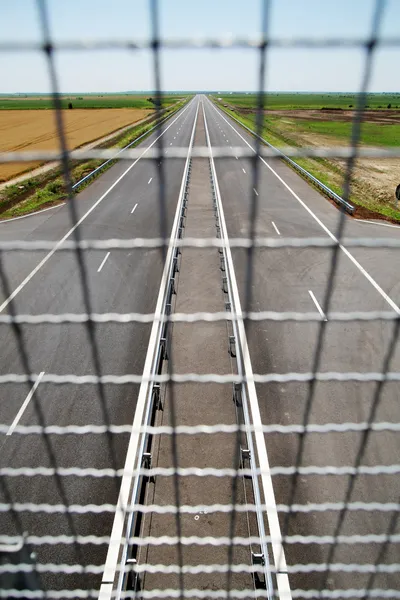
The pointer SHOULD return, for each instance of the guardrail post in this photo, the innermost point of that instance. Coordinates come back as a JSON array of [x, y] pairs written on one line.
[[237, 394], [157, 397], [232, 346], [133, 578]]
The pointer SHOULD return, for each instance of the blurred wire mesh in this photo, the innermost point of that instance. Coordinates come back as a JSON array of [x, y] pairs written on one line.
[[21, 566]]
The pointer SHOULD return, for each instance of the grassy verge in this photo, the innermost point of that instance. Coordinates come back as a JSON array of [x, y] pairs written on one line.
[[331, 173], [373, 134], [48, 189]]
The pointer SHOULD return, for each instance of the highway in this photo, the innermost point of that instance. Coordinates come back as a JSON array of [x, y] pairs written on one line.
[[294, 280], [124, 203], [125, 282]]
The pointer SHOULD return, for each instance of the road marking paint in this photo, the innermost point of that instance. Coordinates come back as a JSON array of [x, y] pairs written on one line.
[[321, 312], [174, 137], [149, 181], [364, 221], [91, 209], [171, 144], [236, 158], [104, 260], [123, 502], [243, 170], [25, 404], [134, 208], [255, 191], [266, 479], [37, 212], [372, 281], [276, 229]]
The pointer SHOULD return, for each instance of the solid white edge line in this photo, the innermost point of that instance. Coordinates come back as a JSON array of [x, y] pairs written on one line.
[[103, 262], [282, 578], [149, 181], [275, 227], [25, 404], [134, 208], [37, 212], [321, 312], [70, 232], [110, 564], [377, 223], [372, 281]]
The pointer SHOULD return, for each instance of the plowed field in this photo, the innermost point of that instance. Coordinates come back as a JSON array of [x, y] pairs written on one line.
[[36, 130]]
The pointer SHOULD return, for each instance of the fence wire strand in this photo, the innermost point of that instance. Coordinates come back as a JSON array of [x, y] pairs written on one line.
[[38, 528]]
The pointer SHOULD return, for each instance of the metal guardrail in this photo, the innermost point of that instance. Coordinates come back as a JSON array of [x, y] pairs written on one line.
[[324, 188], [128, 523], [245, 397], [240, 396]]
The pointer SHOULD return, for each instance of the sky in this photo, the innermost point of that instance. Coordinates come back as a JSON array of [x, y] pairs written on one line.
[[338, 69]]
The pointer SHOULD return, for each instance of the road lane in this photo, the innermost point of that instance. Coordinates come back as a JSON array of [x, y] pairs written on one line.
[[281, 282], [128, 281], [103, 195]]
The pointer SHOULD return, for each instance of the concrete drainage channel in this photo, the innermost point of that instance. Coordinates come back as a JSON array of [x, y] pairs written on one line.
[[199, 281]]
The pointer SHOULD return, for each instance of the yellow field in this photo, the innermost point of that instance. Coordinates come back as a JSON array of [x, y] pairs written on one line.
[[35, 130]]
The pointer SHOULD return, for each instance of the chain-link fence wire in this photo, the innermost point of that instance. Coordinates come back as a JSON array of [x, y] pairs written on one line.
[[22, 567]]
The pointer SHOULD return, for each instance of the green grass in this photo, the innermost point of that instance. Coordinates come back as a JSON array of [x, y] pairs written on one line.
[[48, 189], [19, 101], [371, 133], [289, 101]]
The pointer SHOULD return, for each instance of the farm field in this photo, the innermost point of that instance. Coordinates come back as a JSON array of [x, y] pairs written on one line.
[[35, 130], [25, 101], [374, 180], [278, 100]]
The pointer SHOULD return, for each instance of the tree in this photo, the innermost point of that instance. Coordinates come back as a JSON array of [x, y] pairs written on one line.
[[350, 106], [70, 105], [389, 105]]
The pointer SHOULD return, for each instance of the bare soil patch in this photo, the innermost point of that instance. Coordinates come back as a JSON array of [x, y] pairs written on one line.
[[374, 178], [383, 116]]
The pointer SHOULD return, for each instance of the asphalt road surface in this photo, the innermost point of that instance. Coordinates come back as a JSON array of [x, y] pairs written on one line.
[[123, 281], [294, 280], [283, 280]]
